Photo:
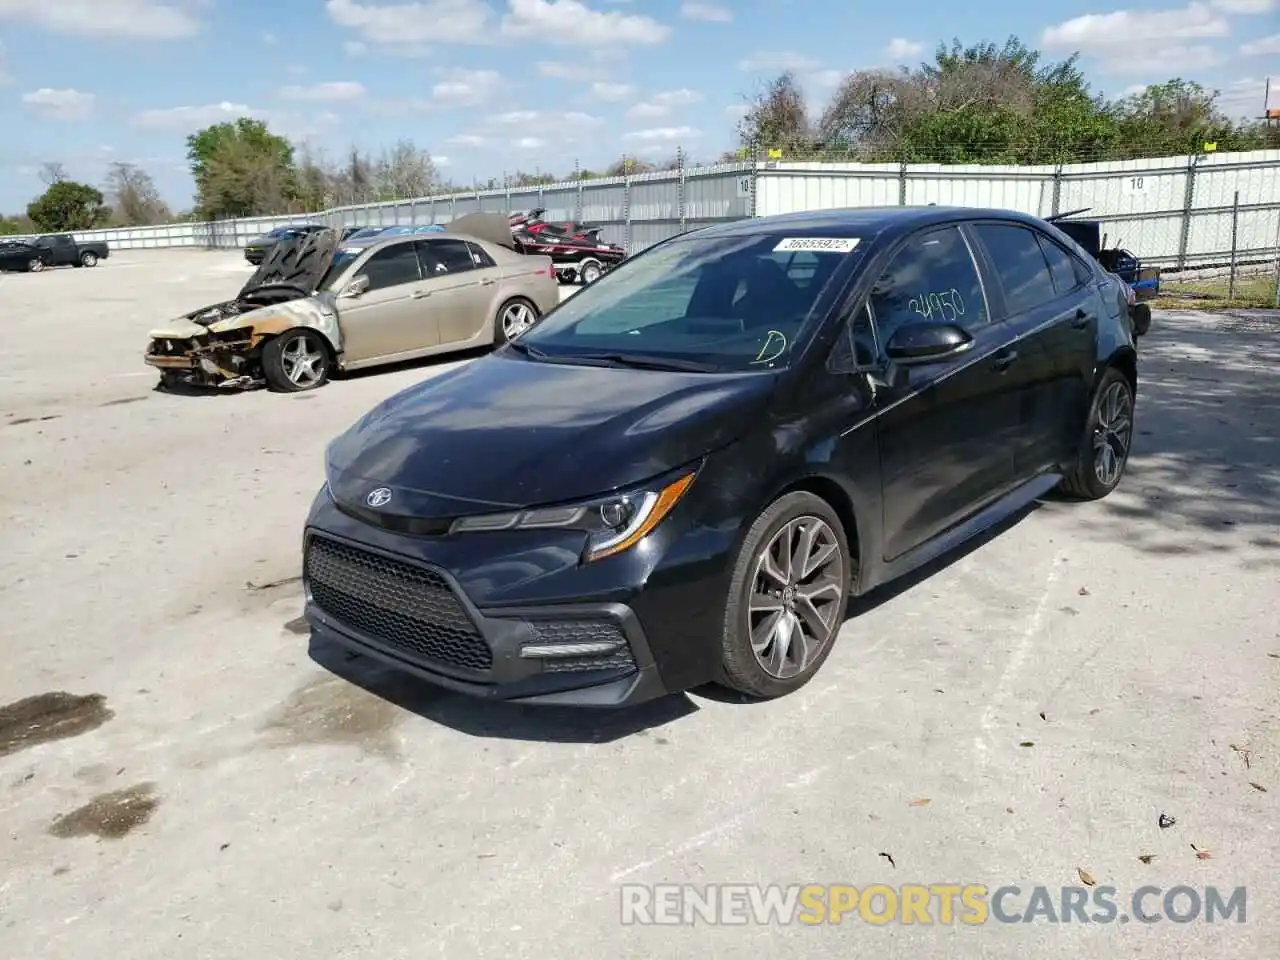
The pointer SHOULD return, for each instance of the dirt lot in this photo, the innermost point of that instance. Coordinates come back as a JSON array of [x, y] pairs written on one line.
[[218, 792]]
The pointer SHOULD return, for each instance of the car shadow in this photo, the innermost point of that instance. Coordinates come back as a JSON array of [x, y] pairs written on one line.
[[493, 719], [420, 363]]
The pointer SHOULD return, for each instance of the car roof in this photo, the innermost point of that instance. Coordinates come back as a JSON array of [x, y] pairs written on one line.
[[863, 222], [376, 242]]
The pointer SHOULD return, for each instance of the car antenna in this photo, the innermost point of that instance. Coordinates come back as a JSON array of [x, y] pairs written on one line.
[[1063, 216]]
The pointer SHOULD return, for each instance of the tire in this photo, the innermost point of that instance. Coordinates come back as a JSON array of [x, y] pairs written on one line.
[[88, 259], [507, 324], [1094, 474], [281, 358], [35, 266], [1141, 314], [589, 272], [775, 671]]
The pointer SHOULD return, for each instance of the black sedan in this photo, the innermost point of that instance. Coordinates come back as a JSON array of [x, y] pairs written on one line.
[[255, 251], [681, 474]]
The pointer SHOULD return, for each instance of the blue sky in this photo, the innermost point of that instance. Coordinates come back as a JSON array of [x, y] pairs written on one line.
[[494, 85]]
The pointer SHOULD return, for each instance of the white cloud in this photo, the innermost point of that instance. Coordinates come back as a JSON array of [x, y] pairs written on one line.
[[736, 111], [466, 87], [828, 78], [60, 104], [191, 118], [420, 23], [1134, 90], [269, 39], [441, 161], [339, 90], [514, 117], [611, 92], [577, 119], [900, 49], [706, 12], [1171, 36], [1246, 6], [777, 61], [661, 104], [135, 19], [466, 140], [355, 48], [529, 143], [663, 135], [1262, 47], [571, 23]]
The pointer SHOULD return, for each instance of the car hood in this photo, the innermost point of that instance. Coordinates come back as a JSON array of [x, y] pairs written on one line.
[[504, 432], [299, 263]]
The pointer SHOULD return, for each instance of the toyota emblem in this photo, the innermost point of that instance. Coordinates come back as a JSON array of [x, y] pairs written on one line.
[[378, 498]]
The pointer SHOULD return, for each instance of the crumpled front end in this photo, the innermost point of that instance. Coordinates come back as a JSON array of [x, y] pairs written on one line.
[[221, 346]]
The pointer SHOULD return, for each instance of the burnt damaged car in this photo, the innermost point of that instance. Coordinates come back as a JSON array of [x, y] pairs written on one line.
[[317, 305]]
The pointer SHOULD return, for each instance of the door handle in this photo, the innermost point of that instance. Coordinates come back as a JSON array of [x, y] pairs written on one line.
[[1081, 319], [419, 294], [487, 283], [1003, 360]]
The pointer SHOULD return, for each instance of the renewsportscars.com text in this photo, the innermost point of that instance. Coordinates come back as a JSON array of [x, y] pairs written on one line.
[[935, 903]]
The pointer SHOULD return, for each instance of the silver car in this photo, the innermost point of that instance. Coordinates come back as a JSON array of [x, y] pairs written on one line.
[[315, 306]]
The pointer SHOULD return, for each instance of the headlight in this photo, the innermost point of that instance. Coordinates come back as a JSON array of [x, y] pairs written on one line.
[[612, 524]]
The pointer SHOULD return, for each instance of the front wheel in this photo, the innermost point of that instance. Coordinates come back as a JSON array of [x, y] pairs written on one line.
[[295, 361], [1141, 319], [590, 272], [35, 266], [1104, 452], [787, 597], [88, 259]]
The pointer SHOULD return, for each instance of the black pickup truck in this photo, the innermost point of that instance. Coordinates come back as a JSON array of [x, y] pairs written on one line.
[[54, 250]]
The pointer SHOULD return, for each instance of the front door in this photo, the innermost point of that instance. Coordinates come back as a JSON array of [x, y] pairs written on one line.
[[461, 287], [945, 429], [392, 316]]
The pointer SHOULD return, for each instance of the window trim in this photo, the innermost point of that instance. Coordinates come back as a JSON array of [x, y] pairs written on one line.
[[368, 258]]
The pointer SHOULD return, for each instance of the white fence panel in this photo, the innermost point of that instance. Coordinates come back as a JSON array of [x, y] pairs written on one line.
[[1026, 189], [791, 187]]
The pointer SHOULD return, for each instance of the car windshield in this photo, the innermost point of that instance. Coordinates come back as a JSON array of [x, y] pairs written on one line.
[[725, 303], [341, 260]]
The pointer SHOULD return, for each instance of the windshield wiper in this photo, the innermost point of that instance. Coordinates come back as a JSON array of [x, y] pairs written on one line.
[[528, 350], [641, 361]]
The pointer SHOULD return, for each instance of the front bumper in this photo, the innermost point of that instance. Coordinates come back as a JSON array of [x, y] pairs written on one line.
[[255, 255], [208, 361], [414, 616]]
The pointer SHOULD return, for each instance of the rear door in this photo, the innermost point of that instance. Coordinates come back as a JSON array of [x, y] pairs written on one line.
[[1054, 315], [461, 287], [391, 316], [945, 429]]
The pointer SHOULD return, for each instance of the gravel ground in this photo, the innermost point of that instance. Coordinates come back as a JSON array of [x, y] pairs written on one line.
[[212, 787]]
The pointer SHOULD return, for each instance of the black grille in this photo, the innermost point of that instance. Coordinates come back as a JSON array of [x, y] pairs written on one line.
[[551, 632], [409, 608]]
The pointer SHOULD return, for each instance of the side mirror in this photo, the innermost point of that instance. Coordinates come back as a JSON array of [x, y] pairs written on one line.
[[927, 342], [356, 287]]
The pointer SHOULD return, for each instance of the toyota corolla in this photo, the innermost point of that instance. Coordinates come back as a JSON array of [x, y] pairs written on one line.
[[681, 474]]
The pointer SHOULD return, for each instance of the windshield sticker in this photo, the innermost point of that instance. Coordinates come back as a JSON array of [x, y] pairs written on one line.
[[818, 244]]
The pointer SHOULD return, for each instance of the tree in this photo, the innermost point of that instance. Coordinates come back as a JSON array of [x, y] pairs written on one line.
[[777, 116], [241, 169], [405, 172], [52, 172], [10, 227], [135, 199], [68, 205]]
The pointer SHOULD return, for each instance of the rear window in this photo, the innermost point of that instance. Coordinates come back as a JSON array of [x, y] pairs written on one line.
[[732, 303]]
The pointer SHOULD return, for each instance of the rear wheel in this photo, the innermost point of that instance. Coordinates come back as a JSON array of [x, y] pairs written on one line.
[[1104, 452], [1141, 314], [35, 265], [514, 318], [787, 597], [295, 361], [590, 272], [88, 259]]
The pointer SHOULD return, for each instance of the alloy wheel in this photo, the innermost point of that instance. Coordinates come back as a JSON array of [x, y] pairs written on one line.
[[35, 266], [304, 360], [797, 596], [1112, 433], [516, 319]]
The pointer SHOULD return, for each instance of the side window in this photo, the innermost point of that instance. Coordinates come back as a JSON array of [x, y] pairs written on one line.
[[856, 348], [932, 279], [392, 266], [1018, 259], [479, 257], [1062, 266], [444, 256]]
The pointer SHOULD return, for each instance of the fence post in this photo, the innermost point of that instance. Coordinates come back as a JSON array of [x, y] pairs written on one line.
[[753, 188], [1188, 206], [578, 196], [680, 188], [1235, 227], [626, 206], [1057, 191], [902, 184]]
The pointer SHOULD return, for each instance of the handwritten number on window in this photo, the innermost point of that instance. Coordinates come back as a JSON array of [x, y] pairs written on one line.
[[945, 306]]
